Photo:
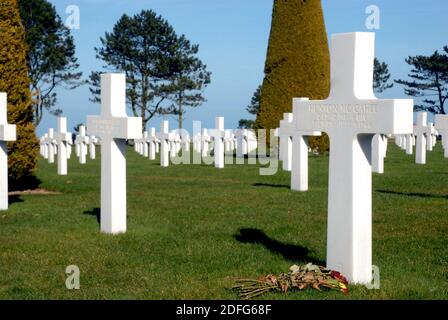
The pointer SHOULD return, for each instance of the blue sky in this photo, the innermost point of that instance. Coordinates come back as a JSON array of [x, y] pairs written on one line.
[[233, 38]]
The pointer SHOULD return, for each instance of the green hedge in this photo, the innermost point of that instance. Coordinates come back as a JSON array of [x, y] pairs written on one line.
[[14, 80], [297, 63]]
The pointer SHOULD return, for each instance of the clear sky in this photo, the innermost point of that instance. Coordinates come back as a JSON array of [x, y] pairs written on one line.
[[233, 38]]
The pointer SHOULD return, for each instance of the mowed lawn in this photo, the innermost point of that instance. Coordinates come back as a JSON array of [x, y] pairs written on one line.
[[192, 228]]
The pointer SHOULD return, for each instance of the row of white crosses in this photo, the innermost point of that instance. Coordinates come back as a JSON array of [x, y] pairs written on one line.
[[405, 142], [242, 140], [351, 116], [172, 142], [246, 142], [60, 143], [49, 146], [148, 146], [424, 137]]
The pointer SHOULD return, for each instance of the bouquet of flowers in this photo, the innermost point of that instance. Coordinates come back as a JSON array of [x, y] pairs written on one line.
[[298, 277]]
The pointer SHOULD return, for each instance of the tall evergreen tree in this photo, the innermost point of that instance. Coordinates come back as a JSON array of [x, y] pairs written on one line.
[[381, 76], [189, 77], [15, 82], [429, 76], [160, 66], [51, 56], [297, 63], [253, 108]]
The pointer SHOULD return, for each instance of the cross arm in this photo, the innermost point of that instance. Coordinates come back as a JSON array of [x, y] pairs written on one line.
[[7, 132], [358, 117], [63, 136], [115, 127]]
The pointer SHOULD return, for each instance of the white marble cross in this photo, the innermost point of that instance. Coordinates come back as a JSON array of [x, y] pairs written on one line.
[[185, 140], [173, 143], [434, 135], [197, 142], [400, 140], [7, 133], [430, 135], [93, 141], [218, 140], [69, 148], [420, 131], [62, 138], [379, 148], [136, 146], [441, 124], [165, 137], [152, 141], [82, 141], [229, 139], [285, 132], [351, 116], [295, 151], [252, 142], [241, 143], [51, 145], [409, 138], [397, 141], [178, 141], [44, 147], [299, 159], [114, 127], [205, 141], [144, 142]]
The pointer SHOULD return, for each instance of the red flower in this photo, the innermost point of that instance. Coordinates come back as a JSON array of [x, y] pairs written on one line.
[[338, 276]]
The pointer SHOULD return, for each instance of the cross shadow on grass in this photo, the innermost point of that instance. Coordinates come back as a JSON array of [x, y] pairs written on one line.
[[414, 194], [15, 199], [269, 185], [94, 212], [291, 252]]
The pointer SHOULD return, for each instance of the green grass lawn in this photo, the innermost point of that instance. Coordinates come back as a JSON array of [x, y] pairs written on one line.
[[193, 227]]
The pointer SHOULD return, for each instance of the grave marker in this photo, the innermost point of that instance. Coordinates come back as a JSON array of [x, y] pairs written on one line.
[[93, 141], [420, 130], [82, 140], [379, 147], [299, 165], [285, 133], [351, 116], [152, 141], [50, 143], [62, 137], [113, 126], [165, 137], [218, 135]]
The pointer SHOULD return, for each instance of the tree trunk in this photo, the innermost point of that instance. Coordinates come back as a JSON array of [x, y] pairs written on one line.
[[180, 115], [179, 120]]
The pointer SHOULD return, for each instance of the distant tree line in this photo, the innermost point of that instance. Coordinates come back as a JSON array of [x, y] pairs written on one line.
[[164, 74]]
